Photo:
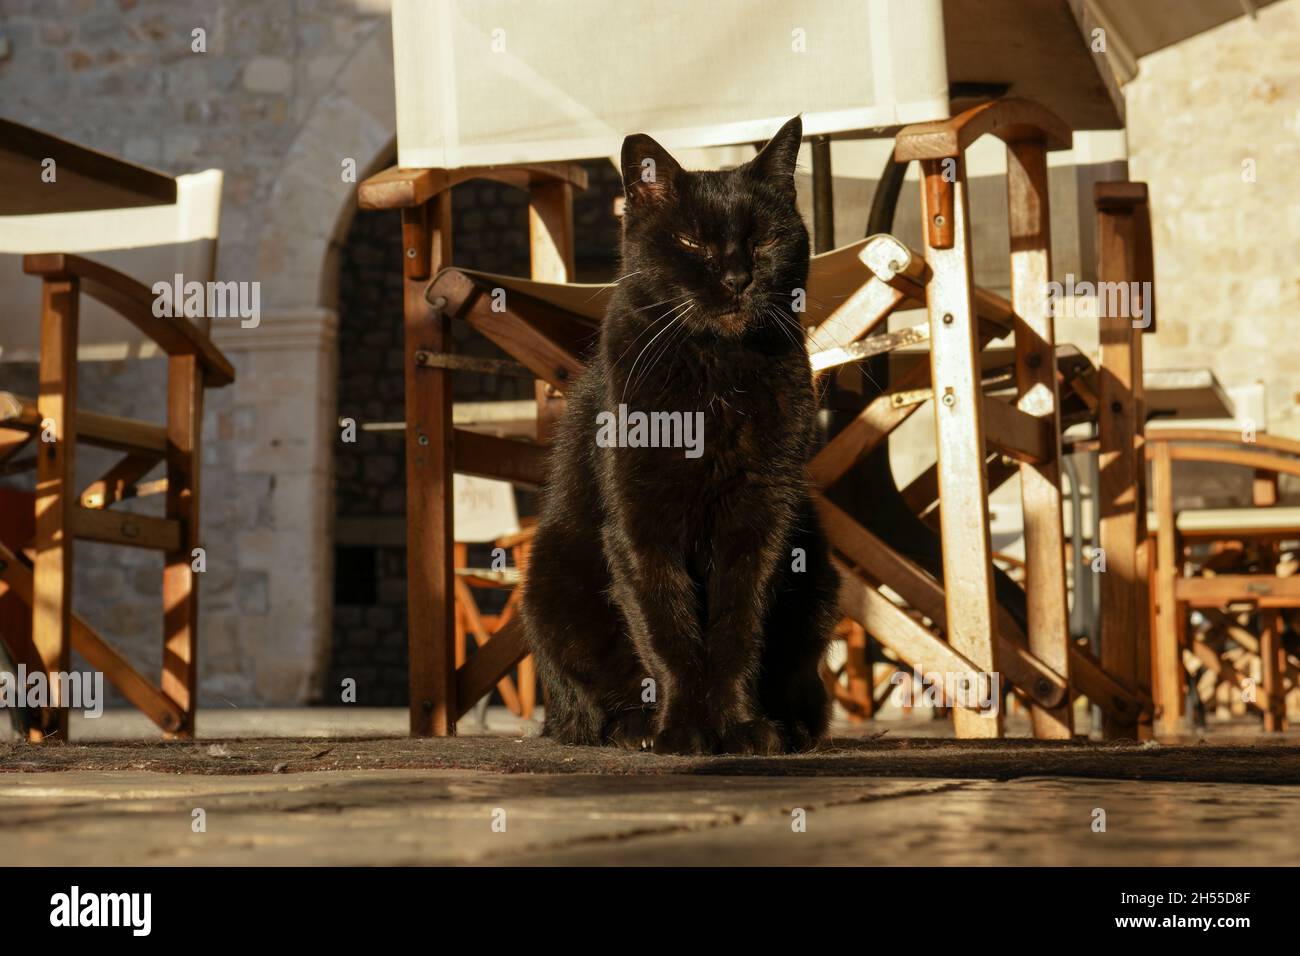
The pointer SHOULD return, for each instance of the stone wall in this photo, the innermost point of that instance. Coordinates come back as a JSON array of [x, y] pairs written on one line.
[[1227, 249]]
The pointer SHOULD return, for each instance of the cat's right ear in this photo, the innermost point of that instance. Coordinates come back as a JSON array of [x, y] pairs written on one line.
[[649, 173]]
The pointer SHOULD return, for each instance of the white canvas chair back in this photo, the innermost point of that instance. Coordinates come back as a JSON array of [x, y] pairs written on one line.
[[152, 243], [501, 81]]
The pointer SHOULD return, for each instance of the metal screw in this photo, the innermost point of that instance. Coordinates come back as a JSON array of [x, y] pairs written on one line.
[[938, 220], [947, 318], [1041, 687], [410, 253], [423, 439], [949, 399], [1116, 407], [427, 706]]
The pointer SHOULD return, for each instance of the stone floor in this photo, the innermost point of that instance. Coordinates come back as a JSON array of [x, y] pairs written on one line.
[[324, 787]]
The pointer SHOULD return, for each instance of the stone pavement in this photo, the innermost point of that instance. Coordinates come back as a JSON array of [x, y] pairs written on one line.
[[888, 795], [405, 817]]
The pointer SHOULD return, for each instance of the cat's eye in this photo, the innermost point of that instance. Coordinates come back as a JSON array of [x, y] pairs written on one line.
[[687, 241], [764, 245]]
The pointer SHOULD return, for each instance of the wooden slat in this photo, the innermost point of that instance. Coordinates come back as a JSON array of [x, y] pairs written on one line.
[[505, 459], [478, 627], [430, 462], [1255, 460], [126, 529], [872, 425], [134, 302], [890, 625], [955, 374], [1026, 438], [883, 564], [513, 331], [119, 482], [180, 665], [101, 656], [1262, 589], [55, 492], [865, 348], [1040, 429], [482, 671], [102, 431], [1191, 436]]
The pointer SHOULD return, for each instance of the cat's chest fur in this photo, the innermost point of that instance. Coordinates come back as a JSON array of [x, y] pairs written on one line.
[[751, 404]]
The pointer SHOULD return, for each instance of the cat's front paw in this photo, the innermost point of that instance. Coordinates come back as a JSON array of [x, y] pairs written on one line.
[[631, 730], [758, 736], [686, 738]]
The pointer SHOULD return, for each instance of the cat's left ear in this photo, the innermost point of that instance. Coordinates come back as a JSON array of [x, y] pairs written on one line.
[[777, 159], [649, 173]]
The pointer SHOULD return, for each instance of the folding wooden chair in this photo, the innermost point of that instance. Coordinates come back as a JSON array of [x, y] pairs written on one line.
[[39, 572], [1224, 563]]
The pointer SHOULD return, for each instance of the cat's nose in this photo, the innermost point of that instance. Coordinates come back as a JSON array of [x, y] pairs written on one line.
[[737, 280]]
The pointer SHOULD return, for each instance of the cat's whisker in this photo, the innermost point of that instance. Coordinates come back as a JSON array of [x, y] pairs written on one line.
[[649, 326], [647, 346], [668, 342]]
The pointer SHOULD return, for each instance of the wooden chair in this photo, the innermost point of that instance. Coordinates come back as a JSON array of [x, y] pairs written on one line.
[[1224, 563], [38, 572], [548, 328]]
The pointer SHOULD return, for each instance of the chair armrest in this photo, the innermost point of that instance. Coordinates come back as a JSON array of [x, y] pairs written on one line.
[[134, 302], [397, 188], [1009, 119]]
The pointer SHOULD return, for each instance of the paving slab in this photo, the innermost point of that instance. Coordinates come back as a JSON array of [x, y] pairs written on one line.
[[388, 817], [1029, 822], [410, 817]]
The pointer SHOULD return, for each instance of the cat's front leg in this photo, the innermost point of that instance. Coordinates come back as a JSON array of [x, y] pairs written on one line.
[[746, 547], [657, 597]]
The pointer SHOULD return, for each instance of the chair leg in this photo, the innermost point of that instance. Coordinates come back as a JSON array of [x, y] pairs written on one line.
[[527, 687], [180, 581], [56, 497], [1273, 666], [955, 374], [430, 533], [1168, 651], [1040, 483]]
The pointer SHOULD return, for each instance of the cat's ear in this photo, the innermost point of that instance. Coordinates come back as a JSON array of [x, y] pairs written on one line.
[[649, 173], [777, 159]]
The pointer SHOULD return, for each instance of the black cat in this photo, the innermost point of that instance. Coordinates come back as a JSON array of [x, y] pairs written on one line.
[[680, 598]]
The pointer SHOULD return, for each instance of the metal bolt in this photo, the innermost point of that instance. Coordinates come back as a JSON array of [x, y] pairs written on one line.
[[1116, 407], [1042, 687], [427, 706], [423, 439], [410, 253], [939, 220], [950, 399], [947, 318], [1034, 360]]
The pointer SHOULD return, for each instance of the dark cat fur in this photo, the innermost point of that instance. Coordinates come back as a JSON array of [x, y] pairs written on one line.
[[649, 564]]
